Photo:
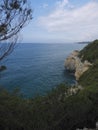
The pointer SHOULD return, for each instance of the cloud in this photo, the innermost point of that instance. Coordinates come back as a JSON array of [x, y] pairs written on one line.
[[80, 21], [62, 4]]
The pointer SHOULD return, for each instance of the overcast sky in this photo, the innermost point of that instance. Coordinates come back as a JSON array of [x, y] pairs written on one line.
[[61, 21]]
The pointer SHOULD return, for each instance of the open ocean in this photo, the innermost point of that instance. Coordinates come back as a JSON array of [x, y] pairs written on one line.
[[37, 68]]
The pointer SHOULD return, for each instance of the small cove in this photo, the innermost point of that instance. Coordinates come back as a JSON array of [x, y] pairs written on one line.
[[36, 69]]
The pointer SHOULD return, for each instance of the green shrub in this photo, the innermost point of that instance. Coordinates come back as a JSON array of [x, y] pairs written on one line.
[[90, 52]]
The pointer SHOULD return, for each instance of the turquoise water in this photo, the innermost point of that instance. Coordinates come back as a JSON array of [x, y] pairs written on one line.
[[37, 68]]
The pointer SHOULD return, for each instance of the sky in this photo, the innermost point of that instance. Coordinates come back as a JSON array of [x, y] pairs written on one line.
[[62, 21]]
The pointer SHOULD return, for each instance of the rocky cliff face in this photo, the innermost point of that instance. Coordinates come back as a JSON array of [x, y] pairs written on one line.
[[74, 63]]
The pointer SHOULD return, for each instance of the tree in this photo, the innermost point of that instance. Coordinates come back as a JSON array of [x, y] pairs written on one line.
[[14, 14]]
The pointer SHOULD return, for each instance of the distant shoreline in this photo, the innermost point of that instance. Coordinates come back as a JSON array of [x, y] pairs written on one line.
[[83, 42]]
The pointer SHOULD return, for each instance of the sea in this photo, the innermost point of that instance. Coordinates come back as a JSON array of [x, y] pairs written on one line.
[[36, 68]]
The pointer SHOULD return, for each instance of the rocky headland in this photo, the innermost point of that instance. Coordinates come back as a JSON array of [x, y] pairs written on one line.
[[84, 65], [73, 63]]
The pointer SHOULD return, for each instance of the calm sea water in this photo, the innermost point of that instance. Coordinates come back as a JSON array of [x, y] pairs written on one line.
[[37, 68]]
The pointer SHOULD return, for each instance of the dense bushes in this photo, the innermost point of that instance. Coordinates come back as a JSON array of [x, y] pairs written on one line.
[[90, 52], [90, 77], [52, 112]]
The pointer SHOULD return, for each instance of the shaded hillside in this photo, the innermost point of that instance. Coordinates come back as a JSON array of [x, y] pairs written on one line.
[[90, 52], [53, 112], [90, 77]]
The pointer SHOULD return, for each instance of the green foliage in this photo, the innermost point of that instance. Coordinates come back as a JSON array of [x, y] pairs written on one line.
[[52, 112], [14, 15], [90, 52], [90, 77]]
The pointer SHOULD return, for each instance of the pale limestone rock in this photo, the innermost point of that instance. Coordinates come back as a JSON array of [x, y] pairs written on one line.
[[73, 63], [70, 62]]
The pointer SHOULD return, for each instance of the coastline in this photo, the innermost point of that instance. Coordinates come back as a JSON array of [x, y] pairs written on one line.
[[73, 63]]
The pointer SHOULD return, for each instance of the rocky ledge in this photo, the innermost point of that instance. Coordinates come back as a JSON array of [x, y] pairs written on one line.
[[74, 64]]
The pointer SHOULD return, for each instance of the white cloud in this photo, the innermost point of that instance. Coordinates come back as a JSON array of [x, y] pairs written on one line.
[[62, 4], [80, 23]]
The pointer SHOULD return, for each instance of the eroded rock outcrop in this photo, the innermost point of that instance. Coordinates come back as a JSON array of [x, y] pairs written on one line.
[[73, 63]]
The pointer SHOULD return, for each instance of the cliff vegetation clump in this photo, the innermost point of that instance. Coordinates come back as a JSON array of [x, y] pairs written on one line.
[[90, 52]]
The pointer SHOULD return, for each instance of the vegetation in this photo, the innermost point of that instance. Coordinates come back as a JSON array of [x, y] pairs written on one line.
[[56, 111], [53, 112], [90, 52], [14, 14], [90, 77]]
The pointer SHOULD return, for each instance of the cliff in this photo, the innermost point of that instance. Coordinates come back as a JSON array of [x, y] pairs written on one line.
[[73, 63]]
